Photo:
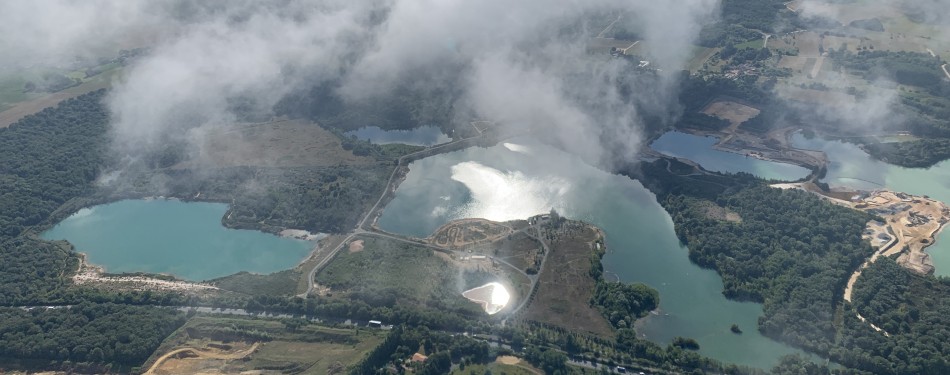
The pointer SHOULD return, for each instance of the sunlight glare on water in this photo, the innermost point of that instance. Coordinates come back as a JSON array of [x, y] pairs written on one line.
[[511, 195], [492, 296]]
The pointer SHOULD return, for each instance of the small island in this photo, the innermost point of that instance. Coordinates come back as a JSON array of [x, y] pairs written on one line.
[[735, 329]]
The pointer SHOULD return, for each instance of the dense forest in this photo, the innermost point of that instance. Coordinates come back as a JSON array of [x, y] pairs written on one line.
[[762, 15], [791, 251], [622, 304], [443, 349], [50, 158], [907, 68], [921, 153], [319, 199], [85, 334], [912, 309], [926, 105], [794, 253]]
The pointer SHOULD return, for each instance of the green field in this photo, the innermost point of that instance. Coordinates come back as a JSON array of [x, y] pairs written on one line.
[[299, 348], [497, 368], [388, 272]]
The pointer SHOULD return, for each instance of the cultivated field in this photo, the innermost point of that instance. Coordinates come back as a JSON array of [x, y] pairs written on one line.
[[282, 143], [699, 57], [13, 112]]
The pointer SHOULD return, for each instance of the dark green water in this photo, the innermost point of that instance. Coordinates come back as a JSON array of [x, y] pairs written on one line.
[[852, 167], [169, 236], [421, 136], [699, 149], [514, 181]]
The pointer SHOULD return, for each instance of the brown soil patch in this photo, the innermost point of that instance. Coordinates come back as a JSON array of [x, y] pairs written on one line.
[[716, 212], [356, 246], [198, 360], [282, 143], [565, 285], [508, 360], [735, 113]]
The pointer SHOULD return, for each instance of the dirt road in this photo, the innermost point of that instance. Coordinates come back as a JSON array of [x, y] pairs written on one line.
[[201, 354]]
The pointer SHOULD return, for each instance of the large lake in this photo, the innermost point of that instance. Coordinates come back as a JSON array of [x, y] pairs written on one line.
[[852, 167], [519, 179], [421, 136], [173, 237], [700, 149]]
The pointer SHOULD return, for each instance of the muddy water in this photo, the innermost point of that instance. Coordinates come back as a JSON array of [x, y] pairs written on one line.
[[169, 236], [519, 179]]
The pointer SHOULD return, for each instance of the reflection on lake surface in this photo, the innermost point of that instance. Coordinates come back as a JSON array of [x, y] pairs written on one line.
[[852, 167], [493, 297], [699, 149], [524, 178], [421, 136], [169, 236]]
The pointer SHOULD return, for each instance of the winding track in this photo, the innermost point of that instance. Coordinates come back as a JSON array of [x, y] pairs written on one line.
[[359, 230]]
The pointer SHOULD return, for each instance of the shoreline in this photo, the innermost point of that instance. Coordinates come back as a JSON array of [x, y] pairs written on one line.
[[89, 273], [916, 257]]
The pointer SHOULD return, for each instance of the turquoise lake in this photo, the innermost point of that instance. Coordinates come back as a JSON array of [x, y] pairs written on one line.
[[523, 178], [421, 136], [699, 149], [852, 167], [173, 237]]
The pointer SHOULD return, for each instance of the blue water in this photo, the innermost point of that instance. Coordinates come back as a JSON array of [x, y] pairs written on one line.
[[421, 136], [699, 149], [852, 167], [506, 182], [173, 237]]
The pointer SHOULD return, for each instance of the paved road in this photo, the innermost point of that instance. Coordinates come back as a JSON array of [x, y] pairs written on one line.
[[360, 228]]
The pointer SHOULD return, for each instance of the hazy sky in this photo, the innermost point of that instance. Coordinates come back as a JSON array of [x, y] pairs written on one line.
[[520, 63]]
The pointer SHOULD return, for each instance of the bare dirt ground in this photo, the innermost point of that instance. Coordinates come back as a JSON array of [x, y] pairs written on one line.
[[281, 143], [231, 345], [734, 112], [468, 232], [92, 275], [911, 223], [207, 360], [565, 284], [356, 246], [914, 220], [773, 146], [716, 212]]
